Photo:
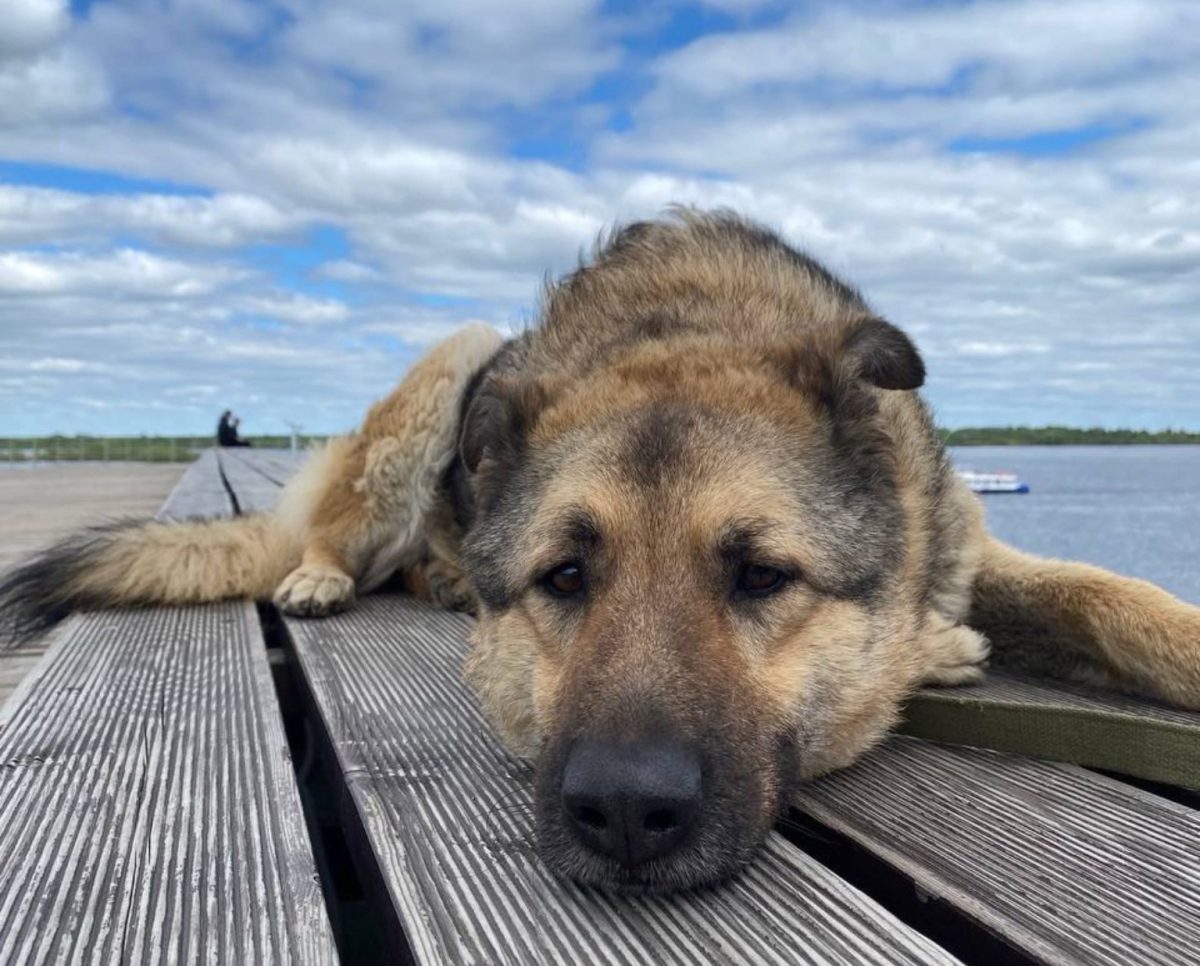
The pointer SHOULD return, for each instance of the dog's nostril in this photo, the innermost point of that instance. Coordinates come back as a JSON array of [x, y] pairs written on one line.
[[633, 802], [591, 817], [661, 820]]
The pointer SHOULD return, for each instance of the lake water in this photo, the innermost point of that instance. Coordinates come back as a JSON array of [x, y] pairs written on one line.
[[1132, 509]]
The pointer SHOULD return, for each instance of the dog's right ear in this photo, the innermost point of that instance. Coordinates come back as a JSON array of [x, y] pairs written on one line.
[[498, 421], [881, 354]]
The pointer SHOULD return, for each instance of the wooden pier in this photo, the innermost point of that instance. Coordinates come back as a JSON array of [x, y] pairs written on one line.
[[219, 784]]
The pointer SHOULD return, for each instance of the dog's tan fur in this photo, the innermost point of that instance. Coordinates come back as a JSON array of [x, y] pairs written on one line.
[[937, 648], [364, 506], [1097, 626], [697, 394]]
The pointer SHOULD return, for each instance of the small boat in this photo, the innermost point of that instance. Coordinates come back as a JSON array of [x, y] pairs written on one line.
[[995, 482]]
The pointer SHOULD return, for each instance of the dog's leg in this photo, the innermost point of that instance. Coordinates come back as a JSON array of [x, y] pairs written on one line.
[[370, 521], [370, 497], [319, 586], [439, 577], [954, 654], [341, 530], [441, 583], [1083, 622]]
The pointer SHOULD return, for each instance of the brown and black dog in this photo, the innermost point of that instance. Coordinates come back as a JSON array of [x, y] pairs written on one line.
[[711, 536]]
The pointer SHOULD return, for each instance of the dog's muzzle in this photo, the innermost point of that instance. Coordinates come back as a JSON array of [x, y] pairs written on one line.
[[631, 802]]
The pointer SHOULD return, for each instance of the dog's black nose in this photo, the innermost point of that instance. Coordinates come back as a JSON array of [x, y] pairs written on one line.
[[633, 802]]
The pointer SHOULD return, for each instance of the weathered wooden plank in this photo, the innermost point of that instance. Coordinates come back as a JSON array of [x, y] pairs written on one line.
[[43, 503], [148, 807], [1067, 865], [148, 810], [253, 490], [448, 815], [279, 464], [14, 665], [199, 492]]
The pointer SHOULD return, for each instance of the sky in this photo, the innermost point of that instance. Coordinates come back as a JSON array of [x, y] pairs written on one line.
[[277, 205]]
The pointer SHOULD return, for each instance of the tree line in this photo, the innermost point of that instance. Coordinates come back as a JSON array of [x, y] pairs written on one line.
[[1062, 436], [185, 448]]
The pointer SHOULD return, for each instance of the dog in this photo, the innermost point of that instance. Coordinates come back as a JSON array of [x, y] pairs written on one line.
[[709, 530]]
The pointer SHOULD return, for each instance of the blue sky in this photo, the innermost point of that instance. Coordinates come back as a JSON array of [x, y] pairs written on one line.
[[276, 206]]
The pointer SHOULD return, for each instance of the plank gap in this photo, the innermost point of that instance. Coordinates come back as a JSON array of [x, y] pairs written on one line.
[[354, 919], [1181, 796], [936, 919], [237, 507]]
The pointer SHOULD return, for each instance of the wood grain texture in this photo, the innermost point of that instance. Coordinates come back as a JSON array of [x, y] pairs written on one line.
[[448, 815], [276, 464], [40, 503], [254, 489], [200, 492], [1067, 865], [148, 807]]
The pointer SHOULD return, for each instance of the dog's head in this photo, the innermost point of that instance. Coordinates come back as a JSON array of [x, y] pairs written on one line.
[[691, 573]]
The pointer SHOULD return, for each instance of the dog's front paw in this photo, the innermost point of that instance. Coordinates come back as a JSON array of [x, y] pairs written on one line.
[[956, 655], [314, 590], [449, 587]]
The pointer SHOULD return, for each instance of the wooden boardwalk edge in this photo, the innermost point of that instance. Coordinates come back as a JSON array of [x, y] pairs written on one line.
[[149, 809]]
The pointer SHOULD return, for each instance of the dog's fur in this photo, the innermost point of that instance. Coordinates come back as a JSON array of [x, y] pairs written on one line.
[[698, 399]]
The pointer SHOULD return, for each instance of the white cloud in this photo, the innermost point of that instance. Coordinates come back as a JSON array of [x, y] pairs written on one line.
[[29, 27], [297, 308], [346, 270], [982, 348], [125, 271], [429, 330], [392, 123], [53, 364], [387, 172], [30, 214], [739, 6], [57, 87], [1013, 45], [41, 79], [472, 51]]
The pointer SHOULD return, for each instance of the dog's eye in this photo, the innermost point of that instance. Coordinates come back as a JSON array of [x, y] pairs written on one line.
[[564, 581], [757, 581]]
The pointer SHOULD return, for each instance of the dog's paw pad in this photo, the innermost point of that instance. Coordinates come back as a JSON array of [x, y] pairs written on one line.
[[314, 591]]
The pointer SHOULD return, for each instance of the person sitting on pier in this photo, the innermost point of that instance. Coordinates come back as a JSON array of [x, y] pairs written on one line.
[[227, 430]]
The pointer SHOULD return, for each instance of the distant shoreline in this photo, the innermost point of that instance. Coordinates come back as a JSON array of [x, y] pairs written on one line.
[[25, 449], [1064, 436], [141, 449]]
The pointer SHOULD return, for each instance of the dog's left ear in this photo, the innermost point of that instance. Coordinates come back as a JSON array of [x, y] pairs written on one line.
[[495, 430], [838, 368], [879, 353], [834, 364]]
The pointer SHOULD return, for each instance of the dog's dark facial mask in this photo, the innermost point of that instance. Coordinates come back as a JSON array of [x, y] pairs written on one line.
[[684, 566]]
